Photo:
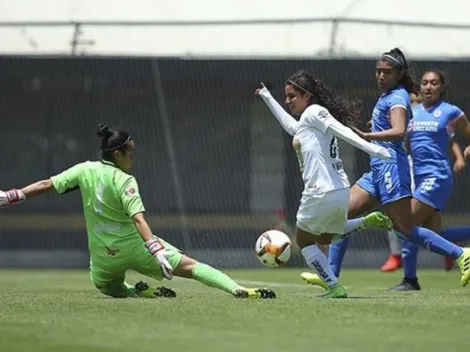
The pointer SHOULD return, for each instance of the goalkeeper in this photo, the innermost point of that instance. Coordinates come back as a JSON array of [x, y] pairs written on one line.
[[119, 238]]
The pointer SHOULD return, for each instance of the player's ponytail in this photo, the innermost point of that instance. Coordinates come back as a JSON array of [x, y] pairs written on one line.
[[398, 59], [345, 110], [112, 140]]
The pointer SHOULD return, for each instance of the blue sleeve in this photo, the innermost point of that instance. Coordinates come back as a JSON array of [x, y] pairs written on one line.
[[455, 112], [399, 99]]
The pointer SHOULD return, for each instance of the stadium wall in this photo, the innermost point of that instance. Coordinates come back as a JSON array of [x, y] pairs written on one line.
[[212, 163]]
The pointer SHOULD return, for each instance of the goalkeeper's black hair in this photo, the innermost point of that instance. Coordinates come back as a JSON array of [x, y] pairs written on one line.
[[398, 60], [345, 110], [112, 140]]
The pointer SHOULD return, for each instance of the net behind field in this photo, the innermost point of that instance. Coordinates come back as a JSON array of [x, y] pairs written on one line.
[[213, 165]]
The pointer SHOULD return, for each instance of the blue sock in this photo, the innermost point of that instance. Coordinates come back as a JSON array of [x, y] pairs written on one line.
[[456, 234], [409, 258], [336, 255], [435, 243]]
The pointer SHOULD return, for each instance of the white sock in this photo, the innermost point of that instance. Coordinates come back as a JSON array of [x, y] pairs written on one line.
[[394, 242], [317, 260], [352, 226]]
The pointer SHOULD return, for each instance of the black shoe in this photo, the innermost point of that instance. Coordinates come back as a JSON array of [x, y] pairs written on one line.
[[260, 293], [407, 285], [165, 292], [266, 293], [142, 289]]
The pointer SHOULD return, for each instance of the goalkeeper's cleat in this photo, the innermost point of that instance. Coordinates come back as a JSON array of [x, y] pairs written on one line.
[[464, 264], [407, 285], [393, 263], [257, 293], [164, 292], [313, 279], [377, 220], [335, 291], [142, 289]]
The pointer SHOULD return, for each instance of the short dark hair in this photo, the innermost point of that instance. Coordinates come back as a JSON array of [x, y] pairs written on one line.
[[112, 140], [398, 59], [346, 111]]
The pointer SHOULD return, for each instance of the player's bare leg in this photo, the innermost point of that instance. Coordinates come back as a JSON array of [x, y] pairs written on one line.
[[191, 269]]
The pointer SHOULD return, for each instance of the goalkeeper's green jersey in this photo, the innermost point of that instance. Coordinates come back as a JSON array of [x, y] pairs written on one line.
[[110, 198]]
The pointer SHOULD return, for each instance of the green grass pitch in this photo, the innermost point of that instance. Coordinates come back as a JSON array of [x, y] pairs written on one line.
[[52, 311]]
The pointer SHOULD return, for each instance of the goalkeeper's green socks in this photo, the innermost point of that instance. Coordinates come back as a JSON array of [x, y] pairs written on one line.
[[209, 276]]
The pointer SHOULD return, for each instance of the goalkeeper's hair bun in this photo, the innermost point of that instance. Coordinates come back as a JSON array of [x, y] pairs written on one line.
[[104, 131], [112, 140]]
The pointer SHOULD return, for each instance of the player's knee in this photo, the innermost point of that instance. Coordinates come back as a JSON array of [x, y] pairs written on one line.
[[185, 267], [304, 239]]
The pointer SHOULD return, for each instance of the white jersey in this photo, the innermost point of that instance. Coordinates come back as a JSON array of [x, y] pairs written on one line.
[[317, 147], [318, 152]]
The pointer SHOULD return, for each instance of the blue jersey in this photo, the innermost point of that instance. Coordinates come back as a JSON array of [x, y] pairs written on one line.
[[397, 97], [429, 133], [389, 180]]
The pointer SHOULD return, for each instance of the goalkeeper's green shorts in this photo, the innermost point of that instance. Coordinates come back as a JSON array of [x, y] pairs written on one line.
[[108, 269]]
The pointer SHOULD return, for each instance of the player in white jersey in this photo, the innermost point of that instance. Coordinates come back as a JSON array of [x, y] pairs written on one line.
[[323, 211]]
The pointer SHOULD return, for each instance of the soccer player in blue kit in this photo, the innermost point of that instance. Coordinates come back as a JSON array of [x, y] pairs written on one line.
[[428, 139], [389, 182]]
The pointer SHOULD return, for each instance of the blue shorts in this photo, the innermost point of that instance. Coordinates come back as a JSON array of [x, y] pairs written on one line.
[[433, 189], [388, 182]]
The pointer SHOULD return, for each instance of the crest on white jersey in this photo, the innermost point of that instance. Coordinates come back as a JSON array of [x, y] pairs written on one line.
[[323, 114]]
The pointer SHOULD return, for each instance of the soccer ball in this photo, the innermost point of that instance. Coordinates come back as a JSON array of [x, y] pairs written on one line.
[[273, 248]]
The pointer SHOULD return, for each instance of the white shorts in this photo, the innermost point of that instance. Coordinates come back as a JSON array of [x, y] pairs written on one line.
[[325, 213]]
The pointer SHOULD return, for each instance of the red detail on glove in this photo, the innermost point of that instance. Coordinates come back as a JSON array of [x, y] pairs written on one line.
[[13, 196], [154, 246]]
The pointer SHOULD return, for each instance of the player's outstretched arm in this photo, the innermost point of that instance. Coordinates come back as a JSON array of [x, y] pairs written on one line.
[[153, 245], [288, 123], [38, 188], [320, 118], [346, 134], [14, 196]]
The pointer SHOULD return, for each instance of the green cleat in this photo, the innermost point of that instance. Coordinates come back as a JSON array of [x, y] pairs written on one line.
[[313, 279], [464, 264], [335, 291], [378, 220], [142, 289], [256, 293]]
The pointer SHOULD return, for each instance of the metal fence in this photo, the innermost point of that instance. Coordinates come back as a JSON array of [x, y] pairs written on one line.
[[213, 164]]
